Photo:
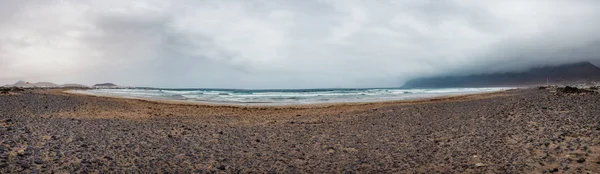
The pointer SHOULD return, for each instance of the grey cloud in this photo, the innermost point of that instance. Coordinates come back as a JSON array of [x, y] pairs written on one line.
[[287, 44]]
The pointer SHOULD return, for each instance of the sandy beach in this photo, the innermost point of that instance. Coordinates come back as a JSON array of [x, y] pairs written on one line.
[[515, 131]]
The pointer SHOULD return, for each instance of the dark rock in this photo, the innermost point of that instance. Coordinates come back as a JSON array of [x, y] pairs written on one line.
[[25, 165], [581, 160], [17, 89], [554, 170], [38, 161], [565, 168], [221, 167], [3, 165], [573, 90]]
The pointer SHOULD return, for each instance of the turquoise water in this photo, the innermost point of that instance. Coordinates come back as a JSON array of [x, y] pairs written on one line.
[[287, 96]]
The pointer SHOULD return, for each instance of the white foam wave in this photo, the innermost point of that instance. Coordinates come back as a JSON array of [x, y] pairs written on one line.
[[289, 97]]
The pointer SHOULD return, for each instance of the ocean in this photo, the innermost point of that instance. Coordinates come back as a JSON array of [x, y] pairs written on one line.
[[286, 96]]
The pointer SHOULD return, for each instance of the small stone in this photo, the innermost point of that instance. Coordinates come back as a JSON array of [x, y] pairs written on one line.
[[480, 165], [566, 168], [38, 161], [581, 160], [221, 167], [257, 140], [25, 165], [554, 170], [3, 165]]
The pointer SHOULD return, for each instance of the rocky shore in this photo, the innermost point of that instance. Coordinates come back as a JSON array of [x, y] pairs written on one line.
[[544, 130]]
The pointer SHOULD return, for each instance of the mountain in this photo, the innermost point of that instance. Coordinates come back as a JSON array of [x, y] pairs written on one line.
[[105, 85], [562, 74], [45, 85], [72, 85], [20, 83], [24, 84]]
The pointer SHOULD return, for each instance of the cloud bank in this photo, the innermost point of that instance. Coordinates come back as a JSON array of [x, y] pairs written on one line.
[[287, 44]]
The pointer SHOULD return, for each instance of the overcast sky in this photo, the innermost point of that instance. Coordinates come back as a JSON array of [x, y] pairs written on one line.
[[287, 43]]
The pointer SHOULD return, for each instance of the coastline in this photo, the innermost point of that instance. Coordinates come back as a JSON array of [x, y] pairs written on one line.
[[449, 98]]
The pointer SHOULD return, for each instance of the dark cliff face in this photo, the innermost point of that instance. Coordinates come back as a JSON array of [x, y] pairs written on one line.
[[570, 73]]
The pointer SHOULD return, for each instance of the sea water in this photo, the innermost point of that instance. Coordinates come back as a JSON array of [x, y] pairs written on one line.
[[286, 96]]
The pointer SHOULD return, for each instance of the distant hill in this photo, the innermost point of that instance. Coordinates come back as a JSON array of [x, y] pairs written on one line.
[[45, 85], [24, 84], [73, 86], [105, 85], [563, 74]]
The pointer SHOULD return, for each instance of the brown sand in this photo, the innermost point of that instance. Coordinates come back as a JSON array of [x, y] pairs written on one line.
[[517, 131]]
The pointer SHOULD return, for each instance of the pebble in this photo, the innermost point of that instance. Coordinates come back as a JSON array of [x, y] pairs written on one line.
[[25, 165], [221, 167], [480, 165]]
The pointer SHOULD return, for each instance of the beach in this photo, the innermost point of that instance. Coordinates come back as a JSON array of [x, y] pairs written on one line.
[[515, 131]]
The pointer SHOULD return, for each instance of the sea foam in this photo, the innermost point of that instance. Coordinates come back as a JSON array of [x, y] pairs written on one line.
[[287, 96]]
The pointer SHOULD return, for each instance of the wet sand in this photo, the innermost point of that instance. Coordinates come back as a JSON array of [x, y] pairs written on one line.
[[516, 131]]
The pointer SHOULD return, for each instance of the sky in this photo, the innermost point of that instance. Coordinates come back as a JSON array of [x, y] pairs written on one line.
[[287, 43]]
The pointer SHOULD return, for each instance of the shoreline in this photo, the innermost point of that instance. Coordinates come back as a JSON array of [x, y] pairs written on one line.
[[448, 98]]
